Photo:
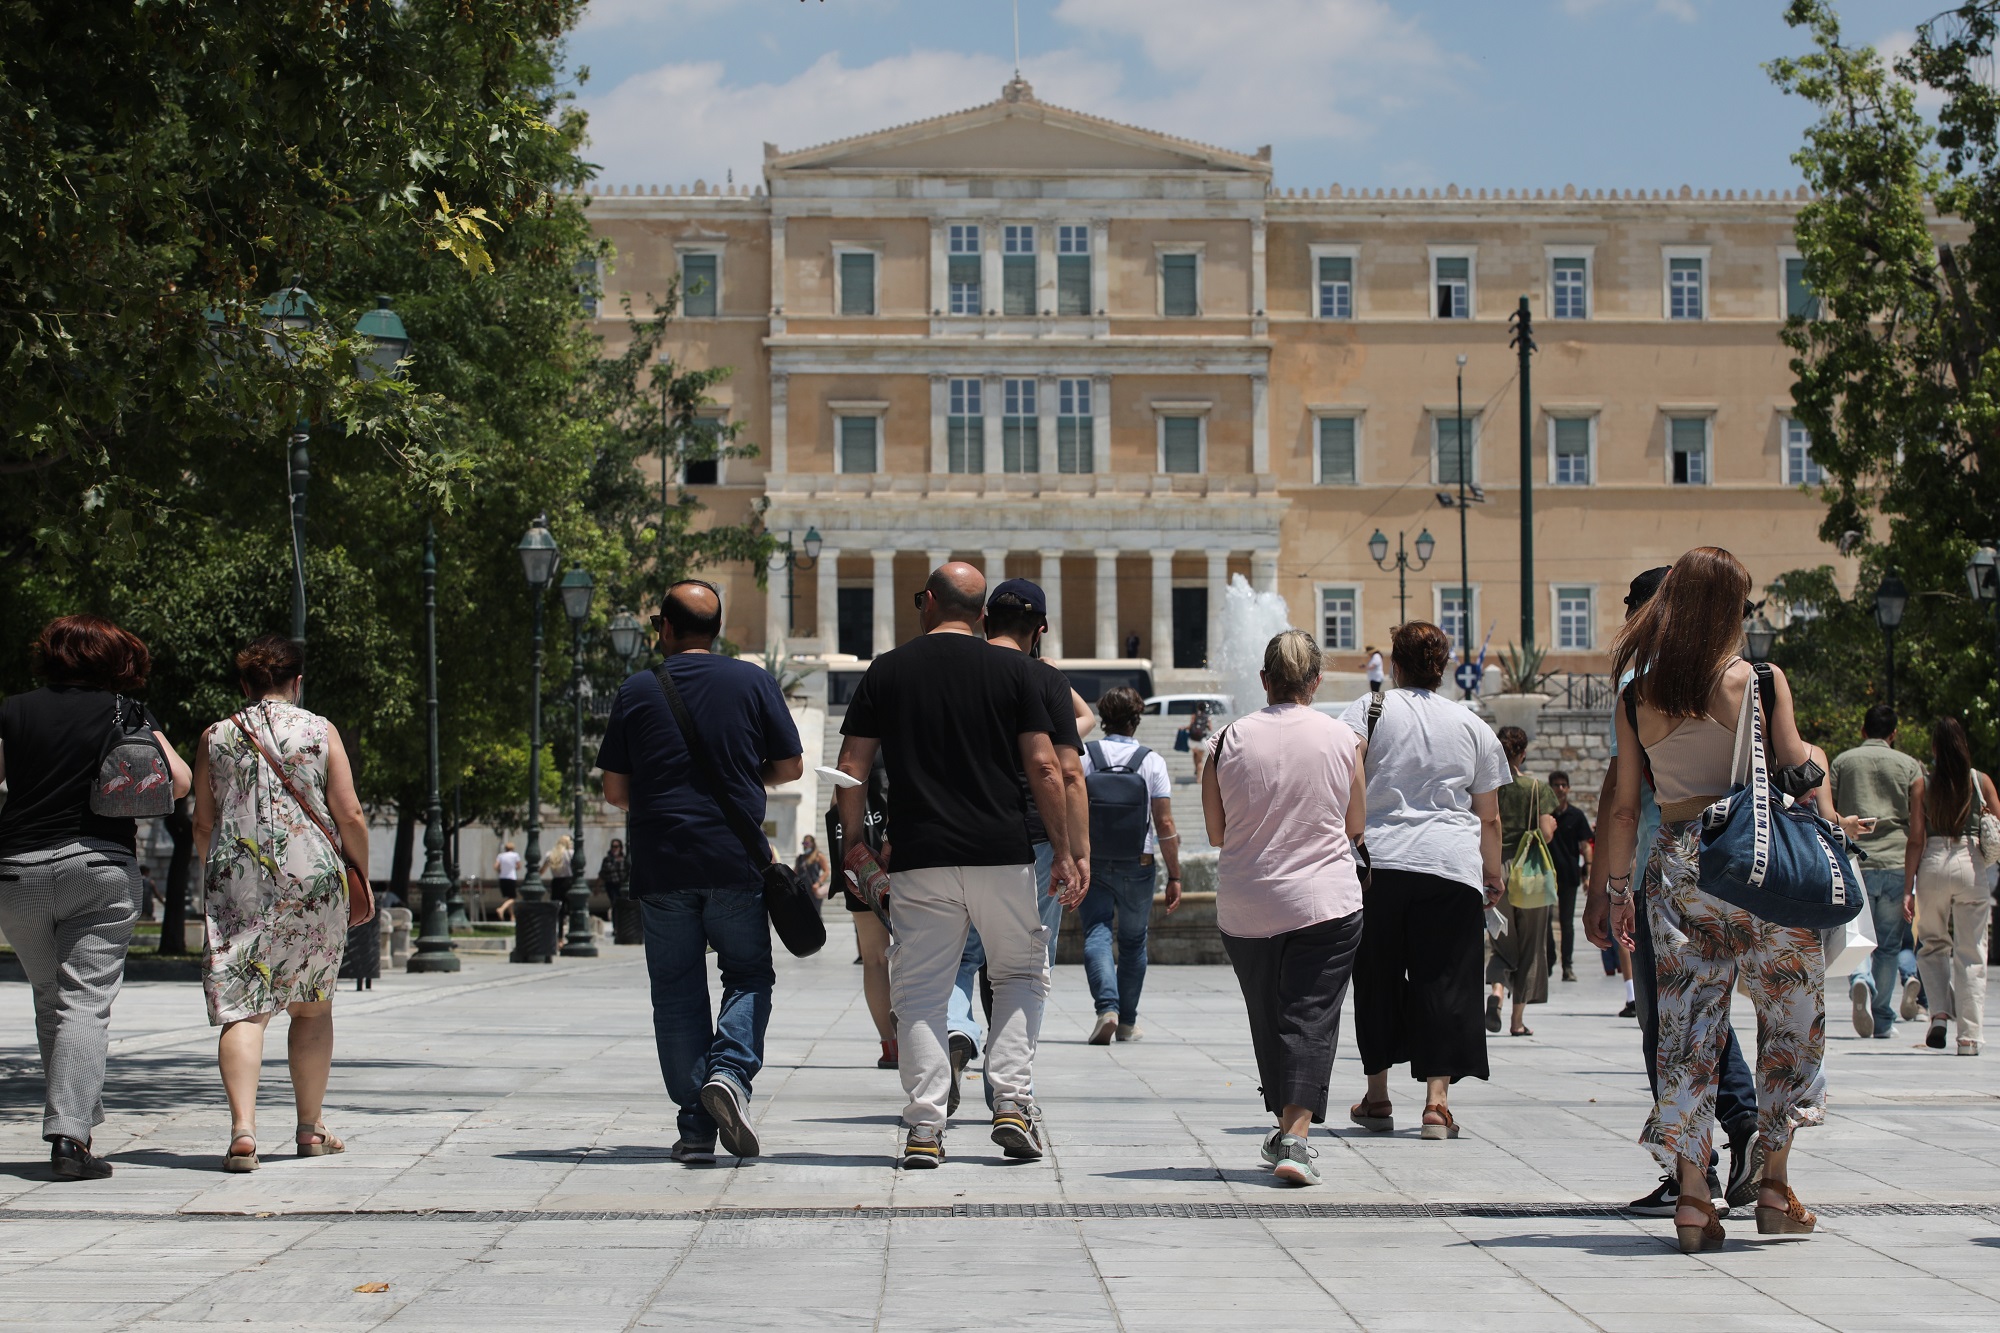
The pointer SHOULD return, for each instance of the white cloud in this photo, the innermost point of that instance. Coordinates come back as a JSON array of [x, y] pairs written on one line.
[[1683, 10], [1893, 47]]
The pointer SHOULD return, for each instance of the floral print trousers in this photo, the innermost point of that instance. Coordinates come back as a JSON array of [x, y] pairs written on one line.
[[1701, 945]]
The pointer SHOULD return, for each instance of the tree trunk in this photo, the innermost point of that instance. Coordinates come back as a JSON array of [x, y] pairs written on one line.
[[406, 843], [173, 906]]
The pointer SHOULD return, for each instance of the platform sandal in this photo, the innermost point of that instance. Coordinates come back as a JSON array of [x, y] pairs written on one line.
[[233, 1160], [1447, 1128], [1698, 1239], [322, 1143], [1794, 1219]]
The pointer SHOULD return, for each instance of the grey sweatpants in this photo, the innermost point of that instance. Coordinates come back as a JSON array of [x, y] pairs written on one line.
[[68, 912]]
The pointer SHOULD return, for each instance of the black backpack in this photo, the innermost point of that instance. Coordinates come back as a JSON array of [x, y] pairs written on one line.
[[1120, 806]]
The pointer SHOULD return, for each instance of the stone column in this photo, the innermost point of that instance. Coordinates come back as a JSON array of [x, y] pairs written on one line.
[[993, 561], [1052, 643], [1257, 270], [1100, 425], [990, 405], [1260, 425], [940, 436], [1100, 265], [885, 601], [989, 265], [1218, 590], [828, 615], [1045, 417], [1162, 648], [1107, 603], [778, 268], [1264, 571], [777, 606], [780, 402], [940, 290]]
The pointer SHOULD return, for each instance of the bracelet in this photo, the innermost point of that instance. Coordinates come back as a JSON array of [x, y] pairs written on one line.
[[1173, 879], [1618, 899]]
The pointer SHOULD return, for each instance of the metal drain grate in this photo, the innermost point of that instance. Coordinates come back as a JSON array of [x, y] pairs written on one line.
[[1076, 1211]]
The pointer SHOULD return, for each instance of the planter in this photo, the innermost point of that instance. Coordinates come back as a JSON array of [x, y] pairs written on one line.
[[1517, 710]]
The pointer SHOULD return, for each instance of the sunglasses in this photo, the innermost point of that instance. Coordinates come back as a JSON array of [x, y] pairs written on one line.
[[918, 600]]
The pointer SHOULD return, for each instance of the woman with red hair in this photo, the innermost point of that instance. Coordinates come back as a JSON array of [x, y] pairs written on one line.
[[69, 877]]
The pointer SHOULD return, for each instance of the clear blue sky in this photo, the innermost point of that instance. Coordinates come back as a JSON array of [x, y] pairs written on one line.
[[1599, 93]]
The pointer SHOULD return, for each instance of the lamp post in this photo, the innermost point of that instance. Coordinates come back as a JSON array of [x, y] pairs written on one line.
[[577, 587], [1758, 636], [539, 555], [1378, 549], [792, 562], [1982, 573], [1523, 343], [283, 314], [628, 636], [1891, 597]]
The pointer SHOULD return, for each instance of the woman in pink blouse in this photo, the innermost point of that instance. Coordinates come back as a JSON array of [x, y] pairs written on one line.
[[1284, 800]]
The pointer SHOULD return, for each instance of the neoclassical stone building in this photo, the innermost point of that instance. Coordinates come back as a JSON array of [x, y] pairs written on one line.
[[1130, 366]]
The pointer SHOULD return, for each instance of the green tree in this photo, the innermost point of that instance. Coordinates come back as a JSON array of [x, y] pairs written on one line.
[[1899, 371]]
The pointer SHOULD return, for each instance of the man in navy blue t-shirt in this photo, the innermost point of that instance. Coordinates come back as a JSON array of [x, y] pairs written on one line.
[[696, 884]]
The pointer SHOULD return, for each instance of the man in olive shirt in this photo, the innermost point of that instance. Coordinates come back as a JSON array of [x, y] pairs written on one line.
[[1873, 780]]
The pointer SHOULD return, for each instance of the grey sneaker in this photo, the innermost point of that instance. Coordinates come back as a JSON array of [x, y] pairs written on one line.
[[694, 1154], [1913, 999], [1017, 1129], [727, 1106], [1269, 1149], [1295, 1161], [1861, 997], [923, 1149]]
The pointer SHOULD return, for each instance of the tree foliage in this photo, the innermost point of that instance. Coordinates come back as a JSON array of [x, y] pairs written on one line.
[[1898, 374]]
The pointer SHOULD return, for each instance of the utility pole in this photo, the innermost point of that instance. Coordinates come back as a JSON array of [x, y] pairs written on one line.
[[1523, 343], [1464, 554]]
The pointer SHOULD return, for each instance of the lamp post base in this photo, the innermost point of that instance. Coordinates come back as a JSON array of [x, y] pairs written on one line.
[[537, 932], [582, 941], [433, 955]]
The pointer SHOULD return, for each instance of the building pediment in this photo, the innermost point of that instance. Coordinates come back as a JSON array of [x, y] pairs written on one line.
[[1016, 134]]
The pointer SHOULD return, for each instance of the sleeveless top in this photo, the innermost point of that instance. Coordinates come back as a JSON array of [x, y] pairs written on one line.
[[1699, 757]]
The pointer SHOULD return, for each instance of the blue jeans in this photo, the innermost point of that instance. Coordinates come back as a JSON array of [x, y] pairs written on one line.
[[962, 1014], [693, 1046], [1893, 960], [1122, 890]]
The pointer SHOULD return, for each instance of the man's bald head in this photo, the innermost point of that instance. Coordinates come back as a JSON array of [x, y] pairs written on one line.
[[692, 610], [959, 590]]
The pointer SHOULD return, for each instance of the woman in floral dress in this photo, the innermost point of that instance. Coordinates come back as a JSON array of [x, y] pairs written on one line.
[[276, 889]]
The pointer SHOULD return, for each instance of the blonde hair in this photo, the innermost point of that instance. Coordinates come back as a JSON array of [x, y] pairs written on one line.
[[1292, 662]]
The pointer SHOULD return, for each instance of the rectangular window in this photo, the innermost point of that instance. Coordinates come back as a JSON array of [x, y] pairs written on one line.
[[1017, 270], [589, 285], [1073, 270], [1449, 456], [962, 263], [1336, 451], [1575, 619], [857, 282], [1570, 300], [1800, 303], [1454, 288], [699, 274], [965, 427], [858, 444], [704, 436], [1336, 287], [1452, 618], [1572, 457], [1074, 427], [1337, 619], [1800, 469], [1180, 444], [1180, 286], [1684, 289], [1020, 427], [1689, 443]]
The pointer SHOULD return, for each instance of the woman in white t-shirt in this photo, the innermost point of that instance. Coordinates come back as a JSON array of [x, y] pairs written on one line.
[[507, 869], [1434, 774]]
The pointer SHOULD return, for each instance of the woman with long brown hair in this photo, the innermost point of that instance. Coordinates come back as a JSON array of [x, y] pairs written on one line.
[[1680, 720], [1942, 894]]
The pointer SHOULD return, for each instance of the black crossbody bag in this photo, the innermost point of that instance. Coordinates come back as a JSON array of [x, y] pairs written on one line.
[[793, 910]]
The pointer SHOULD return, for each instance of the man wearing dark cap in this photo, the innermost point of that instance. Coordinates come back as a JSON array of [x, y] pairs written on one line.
[[697, 885], [1016, 618], [957, 722], [1736, 1092]]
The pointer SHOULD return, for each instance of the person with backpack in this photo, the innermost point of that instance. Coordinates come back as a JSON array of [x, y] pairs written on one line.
[[1520, 953], [1131, 815]]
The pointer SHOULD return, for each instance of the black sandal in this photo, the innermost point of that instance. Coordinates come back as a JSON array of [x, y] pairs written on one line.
[[1523, 1031]]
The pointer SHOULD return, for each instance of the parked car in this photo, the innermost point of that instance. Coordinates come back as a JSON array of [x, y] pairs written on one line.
[[1092, 677], [1183, 705]]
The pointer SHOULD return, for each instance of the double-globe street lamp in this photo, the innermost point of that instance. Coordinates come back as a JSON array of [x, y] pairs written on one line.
[[539, 557], [789, 558], [1891, 597], [1378, 550], [577, 589]]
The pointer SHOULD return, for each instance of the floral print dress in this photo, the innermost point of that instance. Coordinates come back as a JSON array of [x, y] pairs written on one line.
[[277, 895]]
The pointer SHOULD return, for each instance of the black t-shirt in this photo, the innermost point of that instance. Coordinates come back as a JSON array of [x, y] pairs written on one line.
[[1054, 686], [1572, 831], [679, 837], [53, 738], [949, 710]]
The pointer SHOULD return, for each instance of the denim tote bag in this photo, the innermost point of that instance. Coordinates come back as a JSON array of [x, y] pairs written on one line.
[[1767, 854]]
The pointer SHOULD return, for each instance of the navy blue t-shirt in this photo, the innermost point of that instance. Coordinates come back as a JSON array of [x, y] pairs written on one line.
[[679, 837]]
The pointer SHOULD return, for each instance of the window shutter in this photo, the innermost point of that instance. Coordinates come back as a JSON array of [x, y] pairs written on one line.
[[1073, 445], [1448, 451], [857, 283], [1336, 450], [1017, 285], [1182, 444], [1178, 285], [857, 444], [698, 285], [1073, 285]]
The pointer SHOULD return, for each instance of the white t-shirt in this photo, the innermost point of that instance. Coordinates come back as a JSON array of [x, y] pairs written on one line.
[[1159, 784], [508, 864], [1375, 668], [1428, 759]]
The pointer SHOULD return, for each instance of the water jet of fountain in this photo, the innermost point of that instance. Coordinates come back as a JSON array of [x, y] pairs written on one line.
[[1249, 620]]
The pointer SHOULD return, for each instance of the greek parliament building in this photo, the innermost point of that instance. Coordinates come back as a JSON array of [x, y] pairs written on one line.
[[1130, 367]]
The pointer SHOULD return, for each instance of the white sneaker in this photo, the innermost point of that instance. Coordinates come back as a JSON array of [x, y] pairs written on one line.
[[1913, 990], [1130, 1032], [1862, 997], [1105, 1028]]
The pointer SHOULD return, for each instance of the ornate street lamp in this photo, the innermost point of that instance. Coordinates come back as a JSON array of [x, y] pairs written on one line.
[[786, 557], [1758, 636], [539, 557], [1891, 597], [628, 636], [1982, 573], [392, 341], [283, 314], [1378, 550], [577, 587]]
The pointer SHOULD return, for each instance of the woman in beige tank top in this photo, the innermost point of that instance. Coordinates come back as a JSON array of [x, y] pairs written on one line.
[[1690, 689]]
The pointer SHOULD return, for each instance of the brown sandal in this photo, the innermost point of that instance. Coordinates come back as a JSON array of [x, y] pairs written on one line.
[[1699, 1239], [1375, 1117], [1794, 1219], [234, 1161], [1448, 1129], [323, 1144]]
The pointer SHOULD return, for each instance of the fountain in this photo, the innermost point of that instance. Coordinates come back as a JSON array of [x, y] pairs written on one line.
[[1249, 620]]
